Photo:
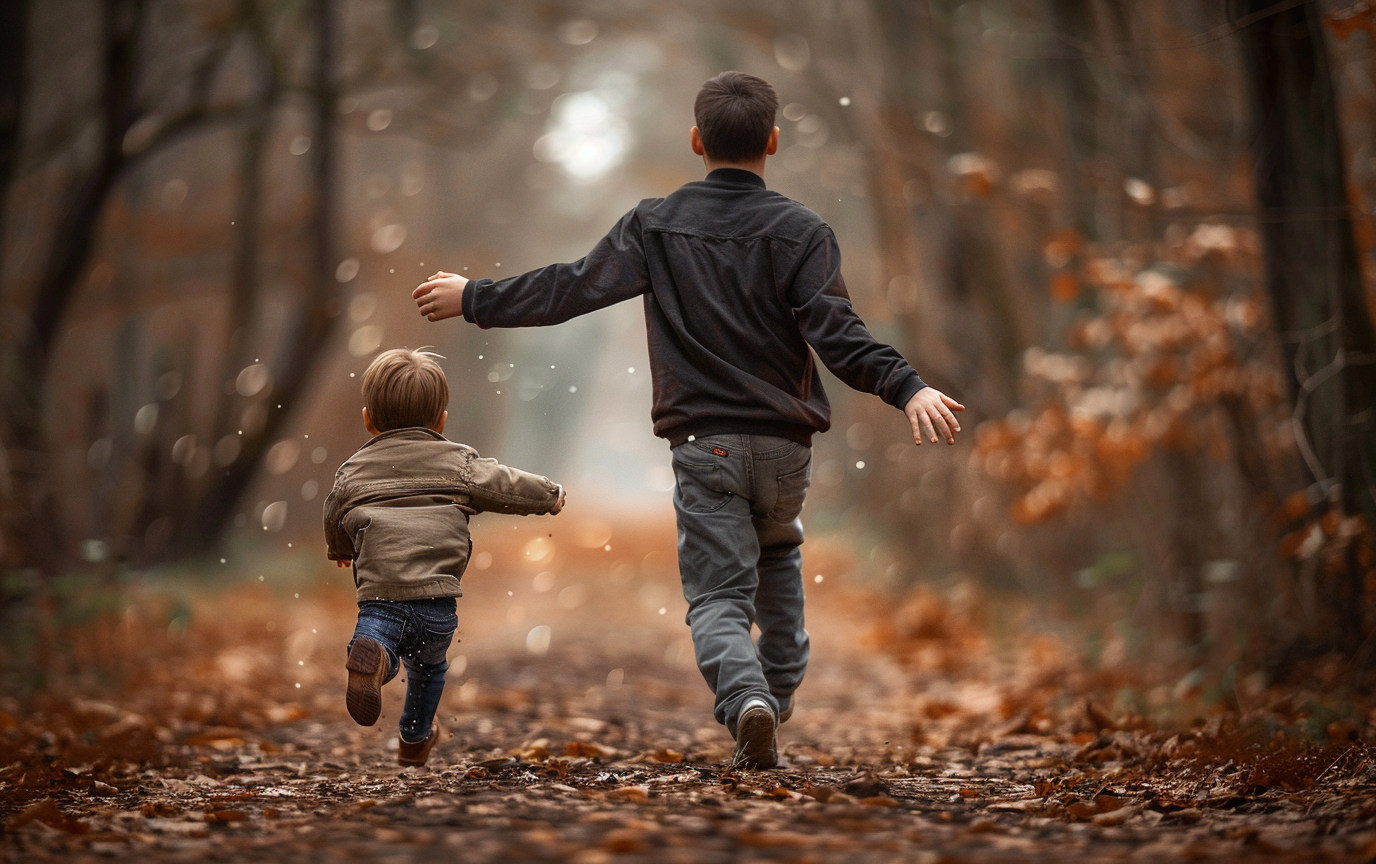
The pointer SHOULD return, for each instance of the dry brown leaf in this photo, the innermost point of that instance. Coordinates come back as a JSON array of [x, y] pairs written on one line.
[[224, 817], [629, 793], [767, 839], [589, 750], [625, 841], [664, 754], [46, 812]]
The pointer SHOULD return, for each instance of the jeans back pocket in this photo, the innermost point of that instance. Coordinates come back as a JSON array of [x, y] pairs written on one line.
[[791, 491], [699, 488]]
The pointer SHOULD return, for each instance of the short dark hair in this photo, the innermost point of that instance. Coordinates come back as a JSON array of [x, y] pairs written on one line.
[[735, 114]]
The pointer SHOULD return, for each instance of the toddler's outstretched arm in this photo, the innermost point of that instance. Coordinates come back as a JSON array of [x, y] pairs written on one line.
[[499, 488]]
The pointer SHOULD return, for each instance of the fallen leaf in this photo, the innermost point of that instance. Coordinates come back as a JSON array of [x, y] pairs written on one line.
[[224, 817], [629, 793], [46, 812], [767, 839], [664, 755], [589, 750]]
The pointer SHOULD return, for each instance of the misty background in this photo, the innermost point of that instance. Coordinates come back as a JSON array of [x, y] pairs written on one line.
[[1135, 239]]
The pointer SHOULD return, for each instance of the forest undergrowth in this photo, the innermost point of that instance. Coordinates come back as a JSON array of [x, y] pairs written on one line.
[[204, 720]]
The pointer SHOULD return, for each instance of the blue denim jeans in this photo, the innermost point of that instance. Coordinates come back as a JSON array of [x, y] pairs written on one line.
[[415, 634], [737, 499]]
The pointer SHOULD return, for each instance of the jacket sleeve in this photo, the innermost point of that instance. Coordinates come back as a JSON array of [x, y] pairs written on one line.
[[830, 325], [339, 545], [497, 488], [613, 271]]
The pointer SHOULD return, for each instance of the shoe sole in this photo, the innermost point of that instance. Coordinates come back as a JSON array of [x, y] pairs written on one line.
[[366, 670], [755, 746]]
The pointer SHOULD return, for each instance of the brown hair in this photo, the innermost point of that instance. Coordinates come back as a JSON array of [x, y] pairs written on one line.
[[735, 114], [405, 388]]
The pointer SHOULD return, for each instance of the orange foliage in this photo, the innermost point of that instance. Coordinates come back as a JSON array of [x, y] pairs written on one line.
[[1064, 287], [1361, 16], [1156, 368], [1062, 246]]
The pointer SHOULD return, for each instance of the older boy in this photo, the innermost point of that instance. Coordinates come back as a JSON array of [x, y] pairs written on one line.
[[399, 512], [738, 283]]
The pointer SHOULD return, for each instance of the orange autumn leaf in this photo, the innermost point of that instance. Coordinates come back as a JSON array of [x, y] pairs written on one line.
[[1296, 505], [1062, 246], [1064, 287], [1344, 25]]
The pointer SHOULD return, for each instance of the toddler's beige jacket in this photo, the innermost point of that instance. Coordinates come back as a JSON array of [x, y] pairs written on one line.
[[399, 510]]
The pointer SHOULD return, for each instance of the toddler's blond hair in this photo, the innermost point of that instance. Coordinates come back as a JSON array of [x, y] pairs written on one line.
[[405, 387]]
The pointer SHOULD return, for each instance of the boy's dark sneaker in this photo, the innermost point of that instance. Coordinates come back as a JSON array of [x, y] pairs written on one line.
[[756, 746], [416, 754], [367, 667]]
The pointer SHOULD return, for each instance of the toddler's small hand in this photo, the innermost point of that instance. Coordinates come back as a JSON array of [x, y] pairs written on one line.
[[338, 563], [441, 296]]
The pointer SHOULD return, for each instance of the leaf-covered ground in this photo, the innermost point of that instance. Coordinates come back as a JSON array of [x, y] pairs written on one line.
[[208, 724]]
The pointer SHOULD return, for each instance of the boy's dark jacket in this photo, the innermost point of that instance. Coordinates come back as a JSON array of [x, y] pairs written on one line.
[[399, 510], [738, 281]]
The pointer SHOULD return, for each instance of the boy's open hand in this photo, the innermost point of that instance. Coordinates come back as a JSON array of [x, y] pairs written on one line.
[[930, 413], [440, 296]]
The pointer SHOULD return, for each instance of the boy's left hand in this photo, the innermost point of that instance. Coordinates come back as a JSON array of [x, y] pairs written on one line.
[[441, 296], [929, 412], [340, 563]]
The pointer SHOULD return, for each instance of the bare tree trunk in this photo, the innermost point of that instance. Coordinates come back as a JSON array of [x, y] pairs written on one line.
[[890, 163], [248, 222], [313, 321], [13, 53], [1074, 21], [973, 260], [37, 539], [14, 31], [1313, 274]]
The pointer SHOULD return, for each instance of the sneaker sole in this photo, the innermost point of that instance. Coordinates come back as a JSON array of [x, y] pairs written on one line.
[[366, 671], [755, 741]]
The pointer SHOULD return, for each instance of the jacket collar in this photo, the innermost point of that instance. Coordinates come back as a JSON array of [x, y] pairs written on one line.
[[413, 433], [736, 177]]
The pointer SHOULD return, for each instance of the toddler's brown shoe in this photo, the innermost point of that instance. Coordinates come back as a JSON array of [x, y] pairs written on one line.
[[416, 754], [367, 667]]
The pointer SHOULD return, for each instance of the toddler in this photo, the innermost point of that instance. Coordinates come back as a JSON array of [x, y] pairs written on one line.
[[399, 513]]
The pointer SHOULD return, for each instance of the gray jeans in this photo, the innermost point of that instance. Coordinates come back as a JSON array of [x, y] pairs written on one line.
[[737, 500]]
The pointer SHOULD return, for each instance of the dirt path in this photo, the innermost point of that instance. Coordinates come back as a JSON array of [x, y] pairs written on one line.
[[603, 747]]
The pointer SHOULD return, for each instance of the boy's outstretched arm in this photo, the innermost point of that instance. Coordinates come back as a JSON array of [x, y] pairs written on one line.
[[843, 342], [613, 271]]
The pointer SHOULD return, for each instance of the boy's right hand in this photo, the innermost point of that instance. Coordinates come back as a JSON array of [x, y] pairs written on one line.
[[440, 296], [558, 505]]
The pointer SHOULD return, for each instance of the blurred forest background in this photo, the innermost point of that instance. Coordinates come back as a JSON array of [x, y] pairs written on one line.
[[1136, 239]]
